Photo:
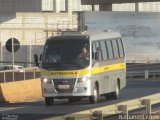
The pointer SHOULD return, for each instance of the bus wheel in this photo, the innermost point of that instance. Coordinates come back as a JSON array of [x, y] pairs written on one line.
[[94, 97], [117, 92], [49, 101]]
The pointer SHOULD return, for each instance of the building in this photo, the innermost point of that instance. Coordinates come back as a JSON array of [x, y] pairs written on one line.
[[142, 7], [12, 6]]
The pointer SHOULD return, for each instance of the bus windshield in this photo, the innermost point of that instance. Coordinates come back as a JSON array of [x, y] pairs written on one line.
[[66, 54]]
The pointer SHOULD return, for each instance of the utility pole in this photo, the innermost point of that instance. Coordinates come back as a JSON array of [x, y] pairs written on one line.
[[12, 52], [1, 52], [13, 56], [1, 47]]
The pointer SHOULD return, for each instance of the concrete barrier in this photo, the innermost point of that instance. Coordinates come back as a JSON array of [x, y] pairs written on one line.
[[20, 91], [122, 108]]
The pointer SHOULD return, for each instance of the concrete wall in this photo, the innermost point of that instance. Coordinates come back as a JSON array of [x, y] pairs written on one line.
[[30, 30], [140, 32], [20, 91]]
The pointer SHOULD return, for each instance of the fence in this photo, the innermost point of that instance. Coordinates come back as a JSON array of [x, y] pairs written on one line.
[[143, 70], [13, 75], [114, 109], [133, 71]]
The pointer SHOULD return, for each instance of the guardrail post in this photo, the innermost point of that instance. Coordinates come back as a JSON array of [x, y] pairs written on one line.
[[97, 115], [34, 73], [70, 118], [4, 76], [146, 74], [24, 74], [124, 110], [13, 75], [147, 103]]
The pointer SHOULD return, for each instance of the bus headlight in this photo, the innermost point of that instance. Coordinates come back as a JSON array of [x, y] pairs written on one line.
[[45, 80], [83, 79]]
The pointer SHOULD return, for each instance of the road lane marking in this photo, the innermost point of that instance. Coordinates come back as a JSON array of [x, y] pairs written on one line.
[[5, 109]]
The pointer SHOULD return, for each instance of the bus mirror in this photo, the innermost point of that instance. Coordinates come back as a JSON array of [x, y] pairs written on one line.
[[36, 60], [96, 55]]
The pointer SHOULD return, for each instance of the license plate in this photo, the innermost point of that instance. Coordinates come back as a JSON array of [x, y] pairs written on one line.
[[63, 86]]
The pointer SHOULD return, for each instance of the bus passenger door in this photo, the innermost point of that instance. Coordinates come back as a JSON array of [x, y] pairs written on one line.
[[97, 64]]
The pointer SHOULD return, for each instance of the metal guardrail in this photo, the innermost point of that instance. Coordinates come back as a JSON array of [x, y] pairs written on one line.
[[143, 70], [141, 66], [14, 75], [121, 108], [133, 70], [25, 64]]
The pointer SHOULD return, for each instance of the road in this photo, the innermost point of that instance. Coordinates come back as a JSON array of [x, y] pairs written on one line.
[[37, 109]]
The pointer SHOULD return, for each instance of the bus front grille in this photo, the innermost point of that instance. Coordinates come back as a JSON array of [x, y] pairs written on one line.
[[64, 85]]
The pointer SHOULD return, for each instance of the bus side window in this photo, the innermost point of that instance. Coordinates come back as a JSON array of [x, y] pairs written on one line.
[[115, 49], [109, 48], [104, 50], [120, 46], [96, 51], [97, 54]]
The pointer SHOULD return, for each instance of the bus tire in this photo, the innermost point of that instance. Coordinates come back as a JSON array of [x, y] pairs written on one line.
[[94, 98], [49, 101], [115, 95]]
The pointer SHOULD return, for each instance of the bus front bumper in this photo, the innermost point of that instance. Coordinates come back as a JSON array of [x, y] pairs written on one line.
[[81, 91]]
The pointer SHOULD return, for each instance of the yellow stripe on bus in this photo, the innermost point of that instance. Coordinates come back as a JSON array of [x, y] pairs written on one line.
[[66, 73], [84, 71], [108, 68]]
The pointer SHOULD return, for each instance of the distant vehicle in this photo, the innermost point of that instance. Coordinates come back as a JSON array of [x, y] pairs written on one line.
[[67, 73], [18, 68]]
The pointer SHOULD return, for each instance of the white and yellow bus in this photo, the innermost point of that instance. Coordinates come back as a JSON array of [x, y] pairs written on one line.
[[66, 74]]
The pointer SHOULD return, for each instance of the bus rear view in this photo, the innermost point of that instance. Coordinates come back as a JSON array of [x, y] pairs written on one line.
[[68, 69]]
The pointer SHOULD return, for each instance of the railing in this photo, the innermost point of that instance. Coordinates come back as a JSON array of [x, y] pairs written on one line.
[[24, 64], [143, 70], [133, 70], [14, 75], [121, 108]]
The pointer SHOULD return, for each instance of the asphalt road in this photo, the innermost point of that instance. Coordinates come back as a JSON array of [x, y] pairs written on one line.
[[37, 109]]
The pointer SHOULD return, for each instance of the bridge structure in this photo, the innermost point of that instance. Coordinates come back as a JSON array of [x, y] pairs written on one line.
[[106, 5]]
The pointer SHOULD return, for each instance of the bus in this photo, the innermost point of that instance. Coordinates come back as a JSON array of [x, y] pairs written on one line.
[[85, 64]]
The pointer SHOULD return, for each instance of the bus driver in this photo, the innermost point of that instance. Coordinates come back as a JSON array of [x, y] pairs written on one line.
[[84, 53]]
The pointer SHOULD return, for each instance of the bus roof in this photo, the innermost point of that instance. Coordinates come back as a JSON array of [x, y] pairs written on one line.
[[103, 35], [94, 35]]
